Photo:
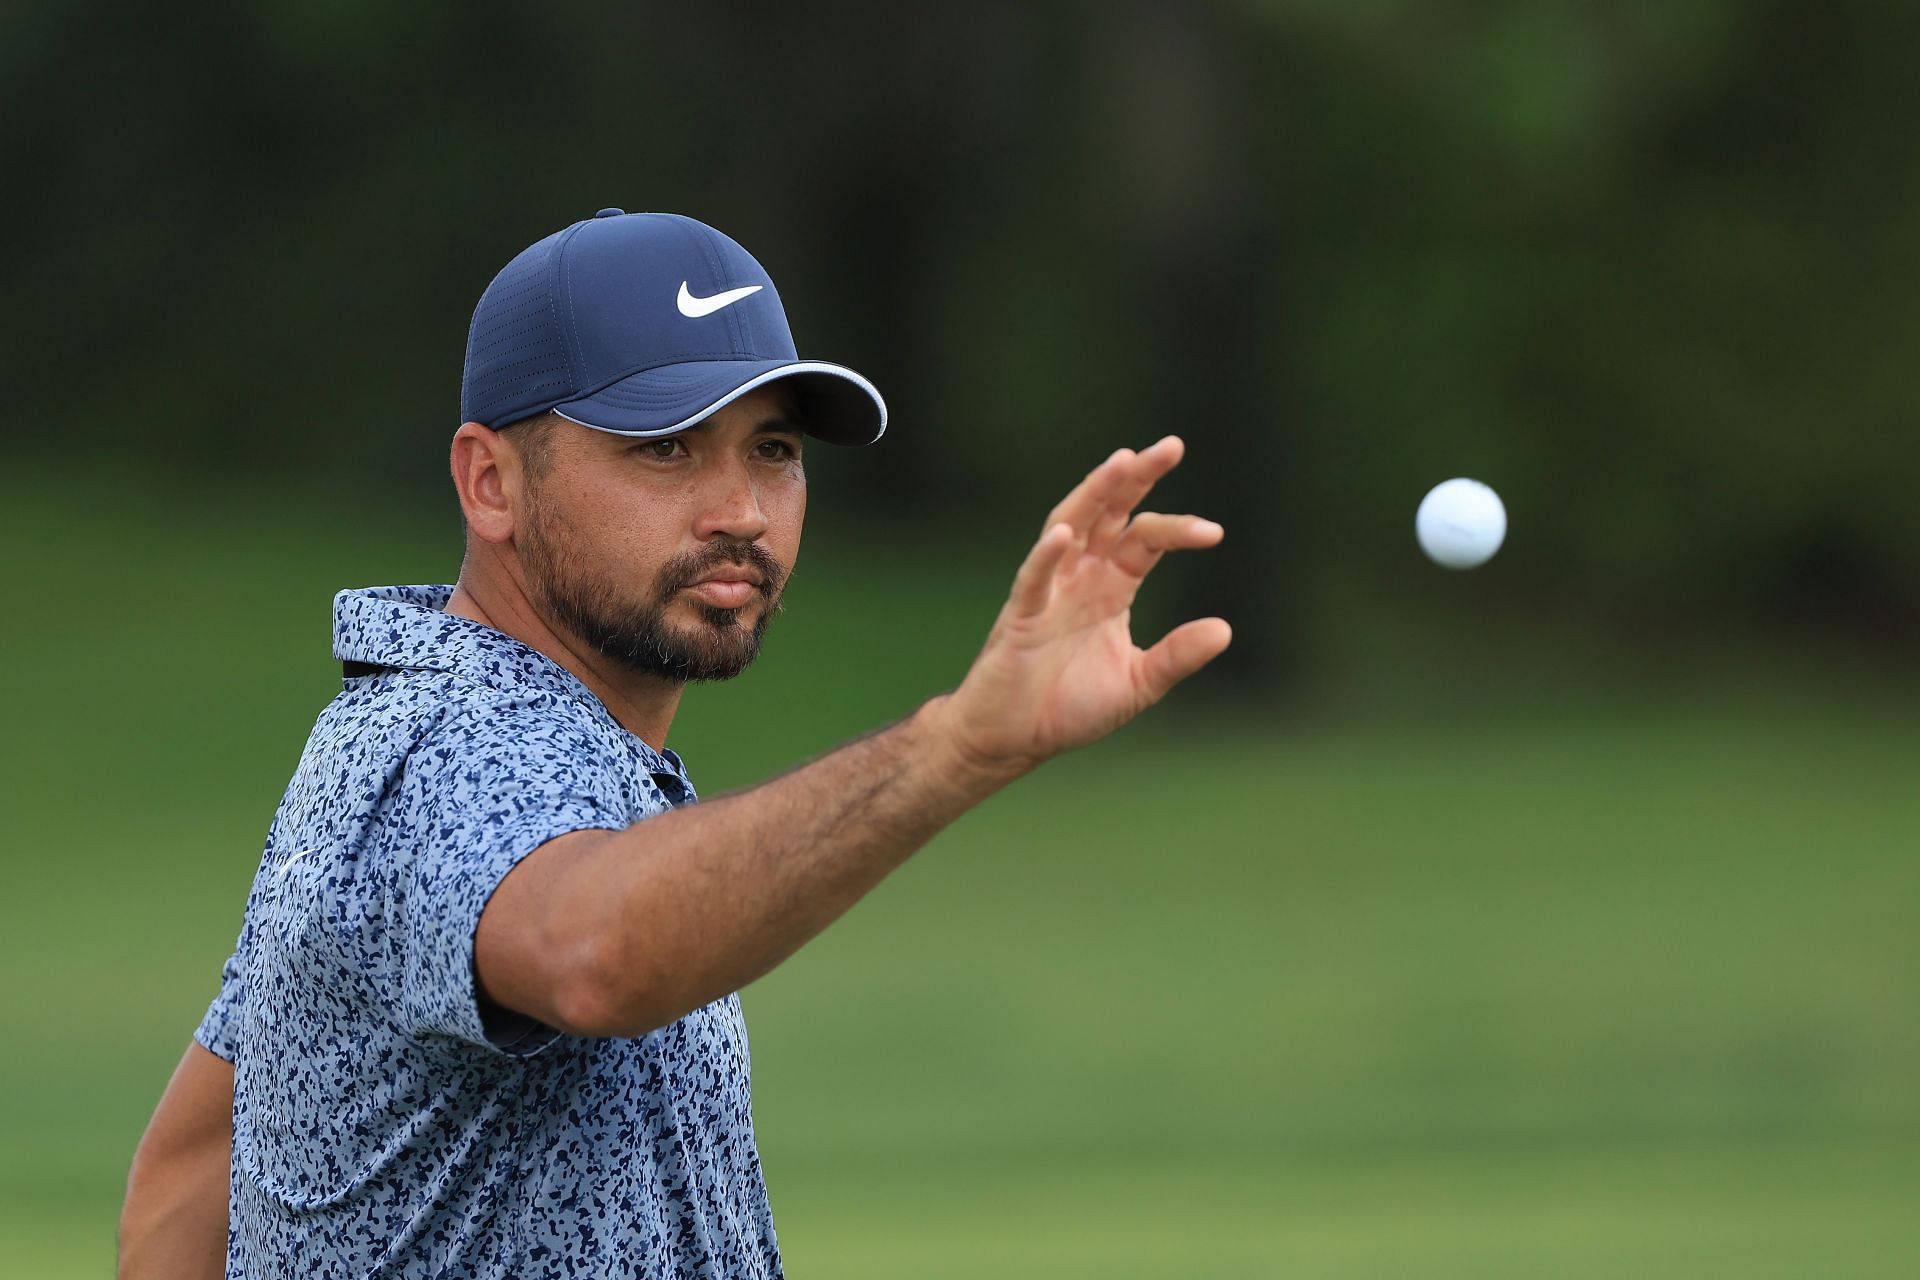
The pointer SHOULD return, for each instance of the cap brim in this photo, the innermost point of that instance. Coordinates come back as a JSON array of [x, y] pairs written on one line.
[[835, 403]]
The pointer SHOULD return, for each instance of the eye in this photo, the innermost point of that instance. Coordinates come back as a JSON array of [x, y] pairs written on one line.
[[663, 450], [776, 449]]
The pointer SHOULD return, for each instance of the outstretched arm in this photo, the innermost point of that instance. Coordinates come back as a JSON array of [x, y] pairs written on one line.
[[173, 1225], [619, 932]]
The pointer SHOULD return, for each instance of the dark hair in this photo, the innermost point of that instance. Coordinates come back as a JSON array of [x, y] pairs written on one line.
[[533, 441]]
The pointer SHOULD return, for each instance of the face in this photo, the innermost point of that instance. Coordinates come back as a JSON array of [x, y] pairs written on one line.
[[669, 556]]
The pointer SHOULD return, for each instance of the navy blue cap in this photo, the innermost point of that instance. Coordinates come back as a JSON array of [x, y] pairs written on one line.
[[642, 324]]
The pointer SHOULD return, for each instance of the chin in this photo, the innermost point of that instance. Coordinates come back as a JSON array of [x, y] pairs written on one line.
[[698, 613], [695, 615]]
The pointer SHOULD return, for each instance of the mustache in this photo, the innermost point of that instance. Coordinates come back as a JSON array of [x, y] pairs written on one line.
[[685, 570]]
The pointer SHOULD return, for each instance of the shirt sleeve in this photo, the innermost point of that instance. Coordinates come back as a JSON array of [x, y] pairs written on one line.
[[479, 794], [219, 1030]]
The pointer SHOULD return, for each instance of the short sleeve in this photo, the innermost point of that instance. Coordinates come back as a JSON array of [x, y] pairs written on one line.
[[219, 1031], [477, 796]]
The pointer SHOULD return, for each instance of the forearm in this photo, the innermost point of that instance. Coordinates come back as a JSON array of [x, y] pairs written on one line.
[[694, 904], [173, 1224]]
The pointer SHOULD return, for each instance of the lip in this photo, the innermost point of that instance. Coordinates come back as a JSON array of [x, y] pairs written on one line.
[[725, 592], [733, 573]]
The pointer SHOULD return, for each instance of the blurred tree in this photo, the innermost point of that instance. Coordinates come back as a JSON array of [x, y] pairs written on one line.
[[1194, 265], [1644, 269]]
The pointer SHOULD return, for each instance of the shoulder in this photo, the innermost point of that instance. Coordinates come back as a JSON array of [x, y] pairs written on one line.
[[427, 707], [441, 731], [467, 740]]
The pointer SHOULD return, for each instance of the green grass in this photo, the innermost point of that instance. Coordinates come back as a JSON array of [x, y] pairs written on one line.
[[1627, 989]]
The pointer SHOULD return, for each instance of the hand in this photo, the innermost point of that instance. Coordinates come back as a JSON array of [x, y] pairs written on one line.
[[1060, 668]]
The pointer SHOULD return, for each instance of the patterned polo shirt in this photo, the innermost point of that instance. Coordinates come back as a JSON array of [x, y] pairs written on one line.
[[386, 1120]]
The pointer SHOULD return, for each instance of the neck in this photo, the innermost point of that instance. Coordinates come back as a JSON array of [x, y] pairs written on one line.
[[643, 704]]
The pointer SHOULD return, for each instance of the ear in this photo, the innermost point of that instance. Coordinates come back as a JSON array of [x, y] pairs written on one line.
[[487, 475]]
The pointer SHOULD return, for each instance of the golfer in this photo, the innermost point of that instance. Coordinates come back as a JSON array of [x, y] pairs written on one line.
[[481, 1019]]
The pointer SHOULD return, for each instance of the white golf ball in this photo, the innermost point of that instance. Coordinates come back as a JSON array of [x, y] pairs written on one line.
[[1461, 523]]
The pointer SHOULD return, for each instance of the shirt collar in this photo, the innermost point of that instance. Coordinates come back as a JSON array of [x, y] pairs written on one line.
[[408, 628]]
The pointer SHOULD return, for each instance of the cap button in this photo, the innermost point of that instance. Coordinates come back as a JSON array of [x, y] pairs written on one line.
[[610, 213]]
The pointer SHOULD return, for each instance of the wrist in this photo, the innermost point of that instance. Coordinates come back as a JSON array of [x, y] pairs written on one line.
[[975, 774]]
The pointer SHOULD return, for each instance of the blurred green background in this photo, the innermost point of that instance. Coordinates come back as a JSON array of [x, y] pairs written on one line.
[[1559, 918]]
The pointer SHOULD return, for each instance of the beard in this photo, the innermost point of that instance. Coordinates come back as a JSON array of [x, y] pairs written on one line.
[[638, 634]]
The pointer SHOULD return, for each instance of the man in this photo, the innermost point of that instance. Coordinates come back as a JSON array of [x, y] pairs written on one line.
[[481, 1019]]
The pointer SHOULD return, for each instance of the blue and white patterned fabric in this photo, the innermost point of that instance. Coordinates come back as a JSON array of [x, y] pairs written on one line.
[[386, 1122]]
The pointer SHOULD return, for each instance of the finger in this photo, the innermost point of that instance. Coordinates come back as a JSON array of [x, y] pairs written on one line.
[[1089, 498], [1151, 535], [1180, 653], [1136, 480], [1033, 585]]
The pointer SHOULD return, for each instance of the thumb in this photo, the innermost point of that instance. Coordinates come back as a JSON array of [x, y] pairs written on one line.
[[1180, 653]]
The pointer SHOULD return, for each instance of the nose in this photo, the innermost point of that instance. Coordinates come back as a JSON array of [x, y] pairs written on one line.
[[731, 505]]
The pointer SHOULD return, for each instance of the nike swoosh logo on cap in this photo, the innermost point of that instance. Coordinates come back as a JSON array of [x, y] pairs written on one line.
[[693, 308]]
